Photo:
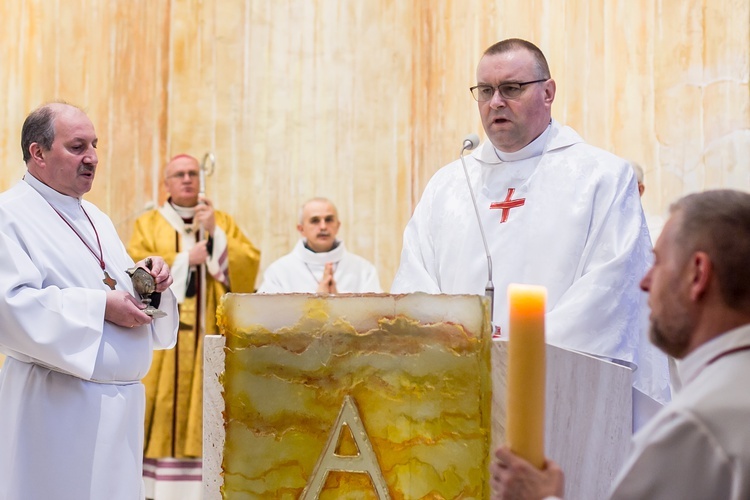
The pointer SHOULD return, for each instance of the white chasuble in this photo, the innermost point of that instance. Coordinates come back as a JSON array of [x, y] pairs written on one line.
[[559, 213]]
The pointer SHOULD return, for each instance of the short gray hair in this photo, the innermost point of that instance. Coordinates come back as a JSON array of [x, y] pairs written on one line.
[[718, 222], [38, 127], [511, 44]]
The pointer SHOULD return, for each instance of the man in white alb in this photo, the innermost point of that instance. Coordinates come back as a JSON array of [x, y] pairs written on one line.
[[320, 263], [76, 339], [557, 212]]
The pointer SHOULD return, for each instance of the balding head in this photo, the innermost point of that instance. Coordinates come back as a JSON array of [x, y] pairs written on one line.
[[638, 170], [59, 146], [39, 127], [319, 224], [182, 180]]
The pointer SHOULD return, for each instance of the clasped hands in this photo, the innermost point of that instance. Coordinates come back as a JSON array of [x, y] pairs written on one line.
[[327, 284]]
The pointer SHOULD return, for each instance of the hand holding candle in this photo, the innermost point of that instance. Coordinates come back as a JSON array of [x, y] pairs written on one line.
[[526, 372]]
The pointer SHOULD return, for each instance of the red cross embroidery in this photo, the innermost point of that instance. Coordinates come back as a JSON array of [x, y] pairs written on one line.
[[508, 204]]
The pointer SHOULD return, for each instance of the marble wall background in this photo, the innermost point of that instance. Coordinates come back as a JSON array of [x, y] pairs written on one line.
[[362, 101]]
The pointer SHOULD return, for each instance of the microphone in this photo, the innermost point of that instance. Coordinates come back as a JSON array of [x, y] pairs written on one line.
[[471, 141]]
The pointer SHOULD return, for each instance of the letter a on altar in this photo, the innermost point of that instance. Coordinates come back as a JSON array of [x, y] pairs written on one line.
[[364, 461]]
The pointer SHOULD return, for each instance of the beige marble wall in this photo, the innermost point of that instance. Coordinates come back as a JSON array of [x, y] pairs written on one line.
[[363, 101], [108, 57]]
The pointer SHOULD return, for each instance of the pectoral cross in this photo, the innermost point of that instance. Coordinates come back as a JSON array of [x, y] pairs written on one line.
[[109, 281], [507, 204]]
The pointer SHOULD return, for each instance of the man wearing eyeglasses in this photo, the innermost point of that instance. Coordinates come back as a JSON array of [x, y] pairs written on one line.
[[174, 441], [556, 212]]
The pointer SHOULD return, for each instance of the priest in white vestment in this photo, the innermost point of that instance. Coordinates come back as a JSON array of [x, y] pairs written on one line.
[[76, 339], [320, 263], [556, 211]]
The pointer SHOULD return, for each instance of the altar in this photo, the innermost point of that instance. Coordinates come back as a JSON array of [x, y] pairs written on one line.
[[388, 396]]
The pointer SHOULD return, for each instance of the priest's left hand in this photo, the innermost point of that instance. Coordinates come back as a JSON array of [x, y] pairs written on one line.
[[159, 270], [513, 478]]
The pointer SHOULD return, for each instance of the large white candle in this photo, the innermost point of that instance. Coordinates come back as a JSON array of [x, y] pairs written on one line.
[[526, 372]]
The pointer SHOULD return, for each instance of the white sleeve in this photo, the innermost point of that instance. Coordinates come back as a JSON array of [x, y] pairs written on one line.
[[60, 327], [164, 330], [615, 257], [271, 280], [372, 281], [416, 272]]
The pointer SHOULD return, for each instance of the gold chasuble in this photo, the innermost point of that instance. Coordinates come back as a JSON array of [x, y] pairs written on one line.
[[180, 435]]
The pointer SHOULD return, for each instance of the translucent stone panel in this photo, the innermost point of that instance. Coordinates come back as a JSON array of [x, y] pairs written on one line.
[[418, 385]]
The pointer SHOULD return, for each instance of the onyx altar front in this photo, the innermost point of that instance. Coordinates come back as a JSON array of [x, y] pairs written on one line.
[[387, 396]]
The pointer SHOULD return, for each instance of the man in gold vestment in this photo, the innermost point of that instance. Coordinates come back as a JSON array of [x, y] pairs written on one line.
[[173, 441]]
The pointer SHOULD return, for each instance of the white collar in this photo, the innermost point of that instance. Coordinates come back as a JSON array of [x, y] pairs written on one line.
[[696, 361], [319, 258], [558, 138], [69, 205], [183, 212], [532, 149]]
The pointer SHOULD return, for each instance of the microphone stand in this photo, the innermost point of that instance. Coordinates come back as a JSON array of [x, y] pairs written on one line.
[[471, 142]]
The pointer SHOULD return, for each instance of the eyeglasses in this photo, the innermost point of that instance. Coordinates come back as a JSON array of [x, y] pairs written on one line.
[[192, 174], [512, 90]]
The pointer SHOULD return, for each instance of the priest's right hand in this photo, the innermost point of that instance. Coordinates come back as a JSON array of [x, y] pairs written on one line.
[[204, 214], [123, 309], [198, 254], [513, 478]]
